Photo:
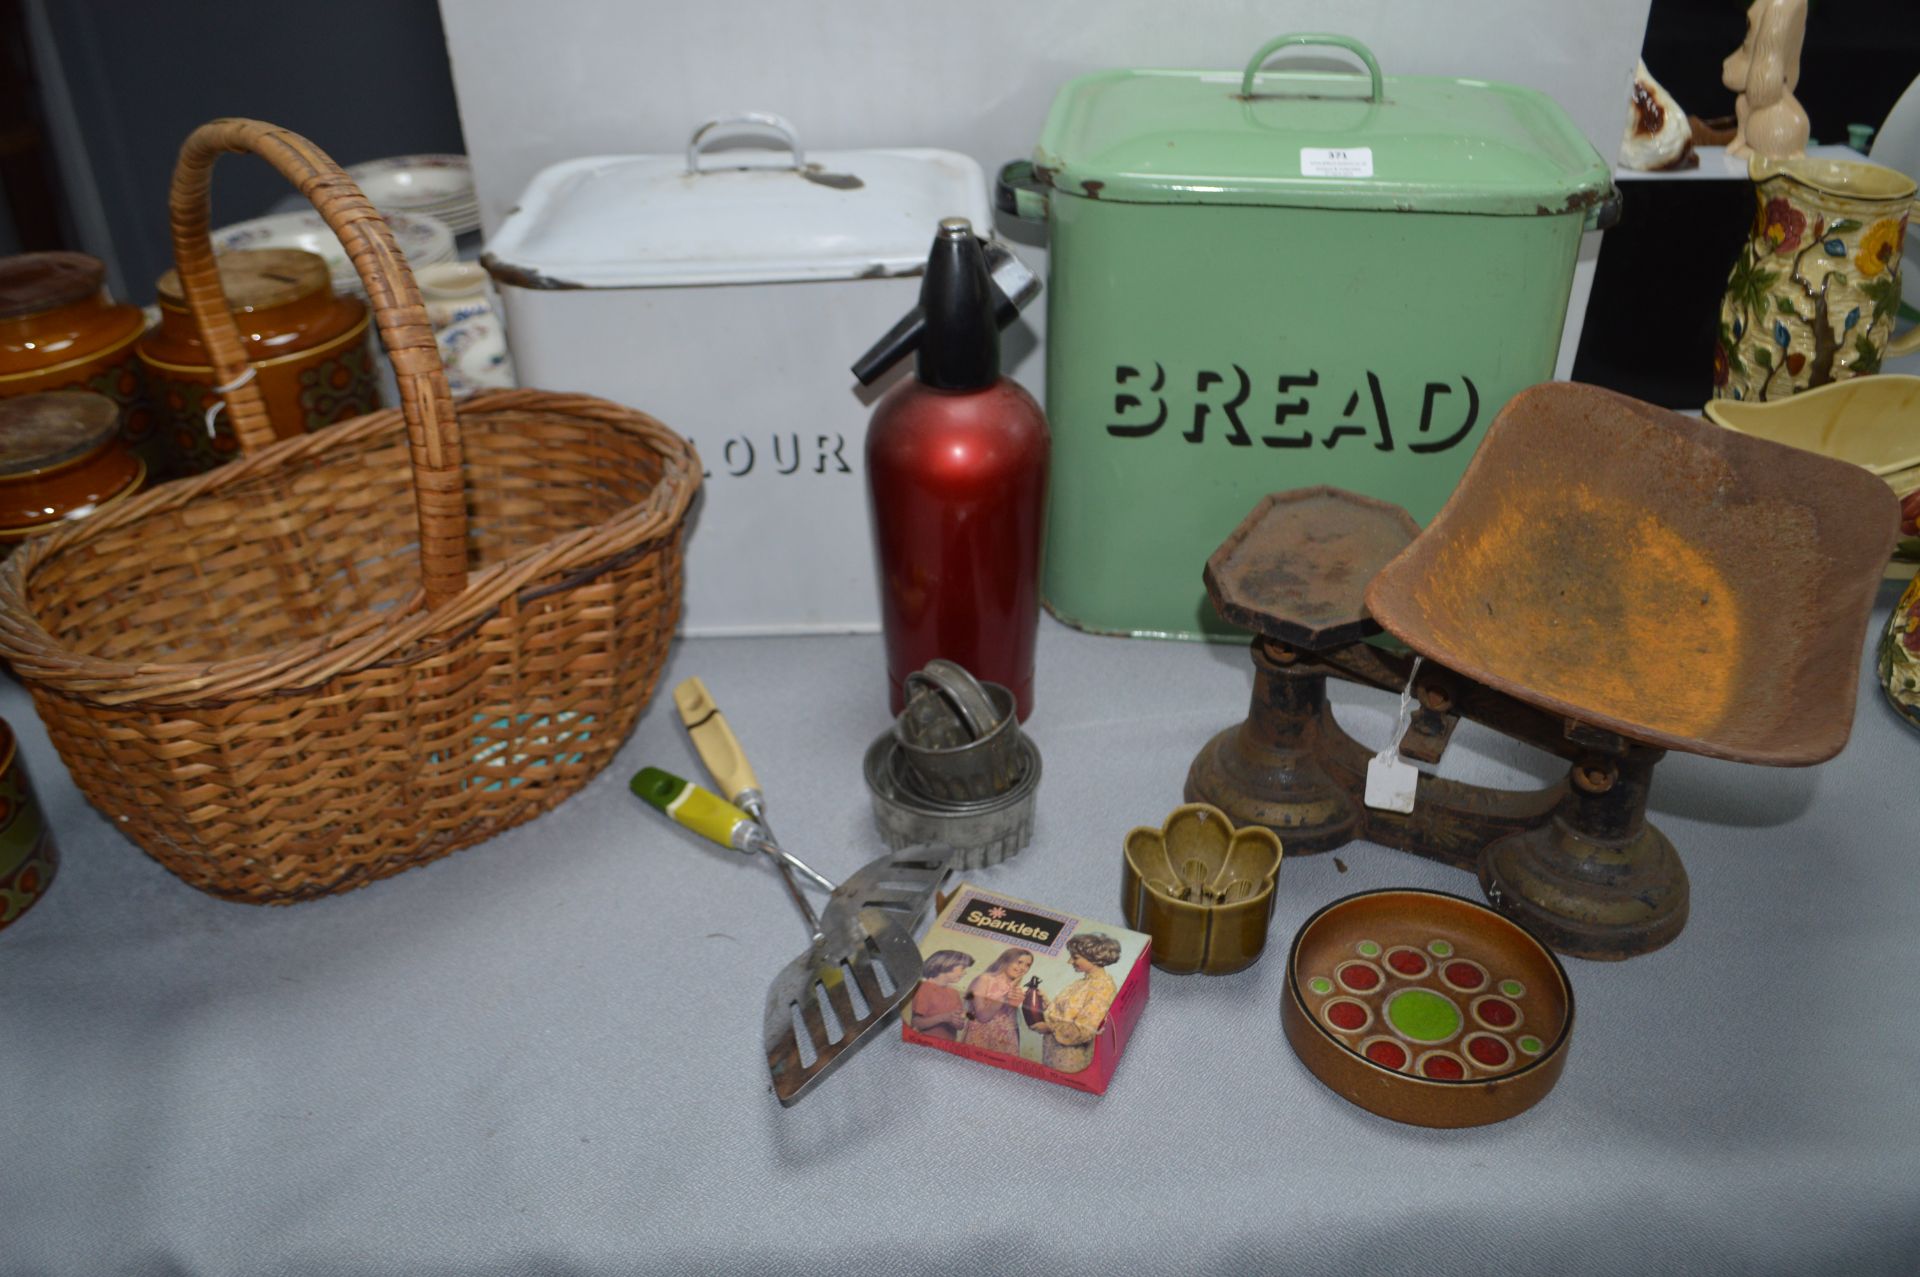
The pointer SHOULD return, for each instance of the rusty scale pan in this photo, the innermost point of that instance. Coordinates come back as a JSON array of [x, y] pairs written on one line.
[[1651, 574]]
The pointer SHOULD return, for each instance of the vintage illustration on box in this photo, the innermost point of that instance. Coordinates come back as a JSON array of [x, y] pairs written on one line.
[[1014, 979]]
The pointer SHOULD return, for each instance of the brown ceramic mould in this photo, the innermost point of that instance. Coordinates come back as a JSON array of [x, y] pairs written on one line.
[[1426, 1008], [1202, 889]]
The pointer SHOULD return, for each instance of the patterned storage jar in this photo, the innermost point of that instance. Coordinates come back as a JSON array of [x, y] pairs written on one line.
[[308, 347], [59, 330], [28, 856], [60, 459]]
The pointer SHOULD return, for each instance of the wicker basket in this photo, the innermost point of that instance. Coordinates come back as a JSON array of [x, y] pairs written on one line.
[[353, 651]]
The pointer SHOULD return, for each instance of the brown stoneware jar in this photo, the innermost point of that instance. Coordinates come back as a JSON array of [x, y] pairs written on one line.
[[59, 330], [308, 348], [60, 459], [28, 857]]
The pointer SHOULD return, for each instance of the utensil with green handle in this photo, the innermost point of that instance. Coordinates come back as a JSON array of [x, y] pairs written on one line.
[[714, 818]]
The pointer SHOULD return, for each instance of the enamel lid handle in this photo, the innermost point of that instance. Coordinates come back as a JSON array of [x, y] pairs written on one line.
[[1377, 92], [765, 121]]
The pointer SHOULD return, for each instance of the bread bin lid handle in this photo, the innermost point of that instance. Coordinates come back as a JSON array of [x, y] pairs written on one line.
[[1376, 91]]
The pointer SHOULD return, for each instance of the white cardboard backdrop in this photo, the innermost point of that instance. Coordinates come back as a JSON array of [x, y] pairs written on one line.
[[546, 81]]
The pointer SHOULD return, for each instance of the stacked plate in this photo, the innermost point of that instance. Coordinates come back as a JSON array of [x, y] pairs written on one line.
[[423, 240], [439, 186]]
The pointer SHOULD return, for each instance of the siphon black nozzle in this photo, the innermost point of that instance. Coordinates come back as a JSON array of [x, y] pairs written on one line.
[[1010, 285]]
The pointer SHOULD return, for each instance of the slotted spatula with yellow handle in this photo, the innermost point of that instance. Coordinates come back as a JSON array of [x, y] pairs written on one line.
[[862, 963]]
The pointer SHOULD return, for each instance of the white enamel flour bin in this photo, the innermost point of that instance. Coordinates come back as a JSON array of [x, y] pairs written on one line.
[[727, 293]]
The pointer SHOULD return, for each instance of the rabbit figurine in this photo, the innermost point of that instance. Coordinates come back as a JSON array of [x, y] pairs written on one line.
[[1764, 71]]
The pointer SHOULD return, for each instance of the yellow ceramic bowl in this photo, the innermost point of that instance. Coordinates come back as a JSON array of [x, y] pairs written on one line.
[[1873, 422]]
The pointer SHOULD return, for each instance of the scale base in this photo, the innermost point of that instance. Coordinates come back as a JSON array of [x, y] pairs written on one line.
[[1575, 863], [1286, 790], [1589, 897]]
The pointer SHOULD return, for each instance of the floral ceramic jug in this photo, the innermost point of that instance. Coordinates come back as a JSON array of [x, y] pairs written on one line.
[[1900, 655], [1813, 295]]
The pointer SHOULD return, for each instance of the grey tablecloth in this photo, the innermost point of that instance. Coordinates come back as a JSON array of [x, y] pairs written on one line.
[[542, 1054]]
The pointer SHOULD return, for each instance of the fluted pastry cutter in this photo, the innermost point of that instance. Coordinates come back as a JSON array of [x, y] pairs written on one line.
[[862, 962], [955, 769]]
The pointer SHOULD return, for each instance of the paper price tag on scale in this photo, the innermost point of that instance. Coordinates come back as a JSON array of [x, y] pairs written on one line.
[[1391, 779]]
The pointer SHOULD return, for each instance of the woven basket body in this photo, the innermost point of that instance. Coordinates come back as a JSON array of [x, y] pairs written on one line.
[[353, 651]]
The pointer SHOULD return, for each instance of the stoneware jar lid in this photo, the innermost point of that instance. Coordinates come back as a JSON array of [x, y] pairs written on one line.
[[770, 212], [41, 431], [35, 282], [256, 278]]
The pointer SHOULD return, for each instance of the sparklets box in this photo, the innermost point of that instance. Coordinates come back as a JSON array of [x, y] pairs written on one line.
[[1026, 988]]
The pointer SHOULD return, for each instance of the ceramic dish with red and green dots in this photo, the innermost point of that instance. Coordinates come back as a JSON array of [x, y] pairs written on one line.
[[1427, 1008]]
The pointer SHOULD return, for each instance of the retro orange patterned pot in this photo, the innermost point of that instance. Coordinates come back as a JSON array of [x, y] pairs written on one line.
[[59, 330], [60, 458], [28, 856], [308, 348]]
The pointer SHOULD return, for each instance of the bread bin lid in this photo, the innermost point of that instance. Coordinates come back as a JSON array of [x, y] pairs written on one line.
[[733, 217], [1422, 144]]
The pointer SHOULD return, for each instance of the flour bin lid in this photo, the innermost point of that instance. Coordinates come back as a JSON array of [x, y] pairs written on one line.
[[1425, 144], [741, 216]]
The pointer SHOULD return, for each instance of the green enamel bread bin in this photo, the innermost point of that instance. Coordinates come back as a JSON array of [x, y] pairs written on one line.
[[1263, 281]]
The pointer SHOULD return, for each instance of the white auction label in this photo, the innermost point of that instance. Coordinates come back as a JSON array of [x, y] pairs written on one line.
[[1392, 782], [1339, 161]]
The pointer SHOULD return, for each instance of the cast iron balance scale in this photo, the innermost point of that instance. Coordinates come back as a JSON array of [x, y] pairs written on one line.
[[1609, 581]]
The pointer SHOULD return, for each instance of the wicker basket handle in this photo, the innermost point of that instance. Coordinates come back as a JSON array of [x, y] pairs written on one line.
[[433, 432]]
